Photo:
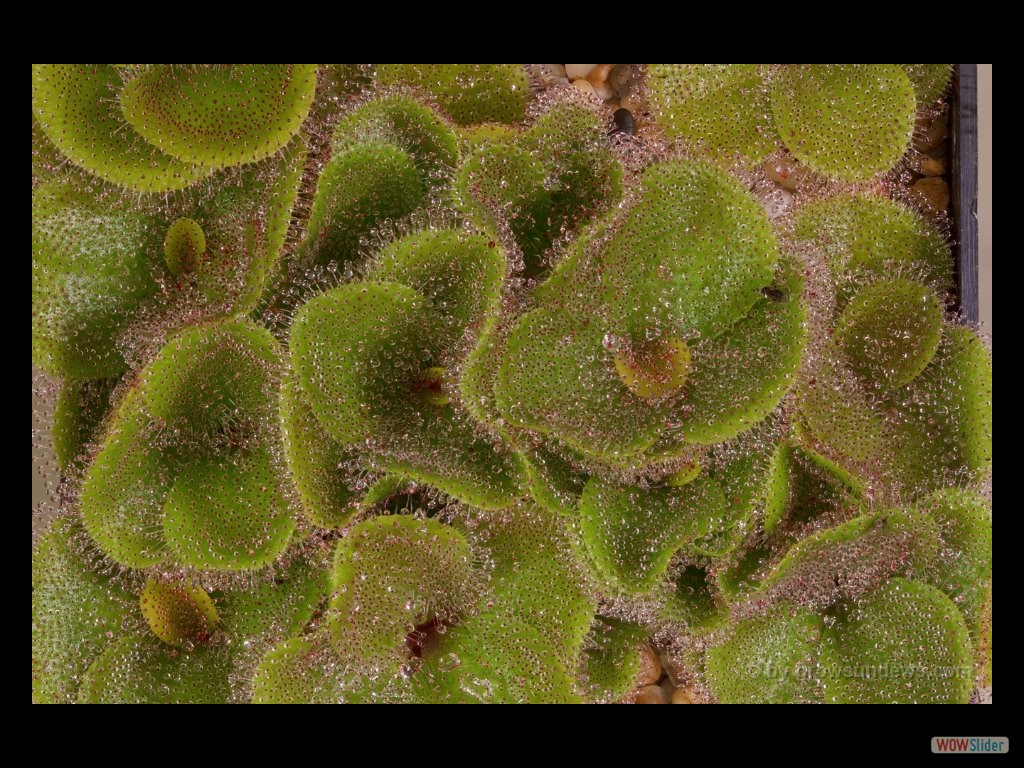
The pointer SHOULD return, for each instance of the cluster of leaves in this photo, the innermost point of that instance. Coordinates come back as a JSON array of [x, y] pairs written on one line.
[[410, 383]]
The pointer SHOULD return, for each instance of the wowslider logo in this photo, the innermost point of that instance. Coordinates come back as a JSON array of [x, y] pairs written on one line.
[[977, 745]]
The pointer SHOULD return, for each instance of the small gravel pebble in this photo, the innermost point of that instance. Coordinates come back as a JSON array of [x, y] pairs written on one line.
[[666, 666], [785, 171], [624, 122], [622, 79], [599, 74], [933, 191], [934, 133], [628, 103], [651, 694], [650, 666], [682, 696], [932, 167], [668, 688], [574, 71], [777, 203], [551, 73], [603, 90], [585, 86]]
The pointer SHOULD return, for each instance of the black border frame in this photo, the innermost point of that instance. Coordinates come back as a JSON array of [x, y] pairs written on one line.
[[965, 187]]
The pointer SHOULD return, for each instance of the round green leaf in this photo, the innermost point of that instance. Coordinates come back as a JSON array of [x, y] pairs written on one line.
[[739, 377], [358, 351], [850, 121], [631, 533], [219, 114], [77, 107], [228, 513], [409, 125], [92, 267], [470, 93], [929, 80], [845, 561], [391, 574], [690, 258], [360, 189], [76, 610], [866, 237], [558, 377], [905, 644], [460, 274], [142, 670], [943, 426], [889, 332], [215, 382], [614, 663], [768, 659], [315, 462], [963, 569], [123, 492], [719, 109]]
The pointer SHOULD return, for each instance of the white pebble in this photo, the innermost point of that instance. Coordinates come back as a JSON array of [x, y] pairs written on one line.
[[776, 203], [574, 71]]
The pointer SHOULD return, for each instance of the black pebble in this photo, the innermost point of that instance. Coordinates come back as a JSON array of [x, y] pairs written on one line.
[[775, 294], [624, 122]]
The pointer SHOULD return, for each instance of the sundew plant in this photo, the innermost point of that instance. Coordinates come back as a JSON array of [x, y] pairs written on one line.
[[437, 383]]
